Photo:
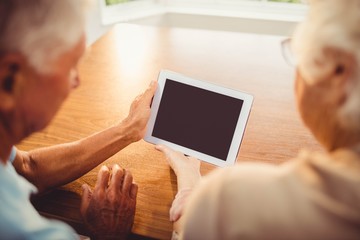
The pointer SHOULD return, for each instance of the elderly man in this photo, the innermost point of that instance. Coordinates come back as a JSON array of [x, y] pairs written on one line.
[[41, 43], [314, 196]]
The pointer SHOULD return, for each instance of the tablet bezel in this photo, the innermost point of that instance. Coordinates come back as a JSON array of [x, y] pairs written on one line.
[[240, 126]]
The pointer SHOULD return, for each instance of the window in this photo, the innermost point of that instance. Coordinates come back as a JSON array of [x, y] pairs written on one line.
[[280, 10], [113, 11], [112, 2], [286, 1]]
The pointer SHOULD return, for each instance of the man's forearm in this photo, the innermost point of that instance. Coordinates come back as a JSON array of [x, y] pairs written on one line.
[[60, 164]]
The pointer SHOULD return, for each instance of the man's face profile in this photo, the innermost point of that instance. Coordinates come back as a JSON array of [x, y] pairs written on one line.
[[37, 96]]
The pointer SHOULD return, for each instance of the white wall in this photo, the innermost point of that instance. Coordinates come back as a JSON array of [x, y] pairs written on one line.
[[199, 21], [95, 28], [233, 24]]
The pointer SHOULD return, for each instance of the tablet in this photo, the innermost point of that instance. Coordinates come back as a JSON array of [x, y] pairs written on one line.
[[198, 118]]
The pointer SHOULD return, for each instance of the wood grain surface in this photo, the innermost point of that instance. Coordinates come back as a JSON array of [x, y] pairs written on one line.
[[121, 64]]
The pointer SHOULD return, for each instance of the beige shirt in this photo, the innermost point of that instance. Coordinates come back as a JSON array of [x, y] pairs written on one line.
[[316, 196]]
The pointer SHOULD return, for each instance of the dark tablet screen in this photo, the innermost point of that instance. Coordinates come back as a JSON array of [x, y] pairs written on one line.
[[198, 119]]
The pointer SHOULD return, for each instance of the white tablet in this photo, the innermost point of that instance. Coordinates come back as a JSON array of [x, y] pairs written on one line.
[[198, 118]]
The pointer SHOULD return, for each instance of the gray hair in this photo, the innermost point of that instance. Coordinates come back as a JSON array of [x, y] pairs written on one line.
[[41, 29], [331, 23]]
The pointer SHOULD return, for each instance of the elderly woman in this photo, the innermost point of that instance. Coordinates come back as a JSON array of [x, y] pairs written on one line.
[[314, 196]]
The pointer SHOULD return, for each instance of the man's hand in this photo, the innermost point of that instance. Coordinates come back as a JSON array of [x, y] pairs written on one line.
[[109, 210], [187, 169], [140, 112]]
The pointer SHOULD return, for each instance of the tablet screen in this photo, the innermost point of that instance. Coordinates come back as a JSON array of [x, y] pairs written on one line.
[[196, 118]]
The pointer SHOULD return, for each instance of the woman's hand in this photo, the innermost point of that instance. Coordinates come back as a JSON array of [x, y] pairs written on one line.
[[187, 169]]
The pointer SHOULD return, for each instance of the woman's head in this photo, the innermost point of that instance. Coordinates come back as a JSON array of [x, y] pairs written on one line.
[[327, 49]]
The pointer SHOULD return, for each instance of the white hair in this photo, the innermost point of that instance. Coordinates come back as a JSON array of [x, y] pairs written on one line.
[[41, 29], [331, 23]]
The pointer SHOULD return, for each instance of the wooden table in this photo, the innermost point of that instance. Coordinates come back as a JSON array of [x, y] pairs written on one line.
[[120, 65]]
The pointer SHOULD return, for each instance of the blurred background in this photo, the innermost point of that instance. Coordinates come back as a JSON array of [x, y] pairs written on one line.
[[272, 17]]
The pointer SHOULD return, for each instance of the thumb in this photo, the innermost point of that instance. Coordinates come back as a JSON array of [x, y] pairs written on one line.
[[85, 200], [149, 92], [151, 89], [133, 191]]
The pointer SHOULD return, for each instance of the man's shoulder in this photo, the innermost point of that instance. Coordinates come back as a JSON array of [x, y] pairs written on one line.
[[19, 219]]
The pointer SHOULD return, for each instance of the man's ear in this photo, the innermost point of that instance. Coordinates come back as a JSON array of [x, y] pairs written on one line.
[[10, 65]]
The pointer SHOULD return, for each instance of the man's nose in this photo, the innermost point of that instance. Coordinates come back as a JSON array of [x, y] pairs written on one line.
[[75, 79]]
